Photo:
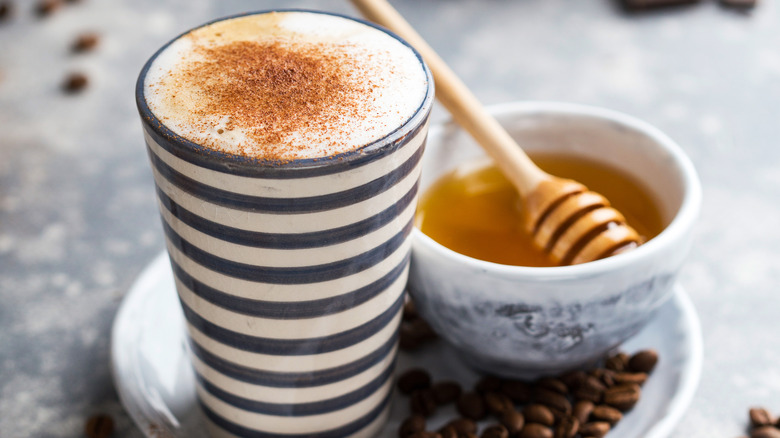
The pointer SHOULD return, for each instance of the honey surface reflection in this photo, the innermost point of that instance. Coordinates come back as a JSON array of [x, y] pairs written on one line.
[[475, 211]]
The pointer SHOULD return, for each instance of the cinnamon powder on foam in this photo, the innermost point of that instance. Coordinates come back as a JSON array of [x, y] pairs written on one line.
[[274, 91]]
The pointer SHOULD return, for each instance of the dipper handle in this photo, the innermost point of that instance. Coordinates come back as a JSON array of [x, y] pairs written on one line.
[[467, 111]]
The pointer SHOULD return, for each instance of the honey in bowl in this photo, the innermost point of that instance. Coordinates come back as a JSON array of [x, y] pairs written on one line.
[[475, 211]]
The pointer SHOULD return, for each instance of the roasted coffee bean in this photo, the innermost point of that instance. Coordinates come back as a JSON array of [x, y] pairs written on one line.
[[643, 361], [552, 399], [513, 421], [422, 402], [6, 9], [414, 334], [537, 413], [498, 403], [488, 384], [46, 7], [582, 410], [495, 431], [414, 379], [99, 426], [448, 432], [606, 413], [567, 427], [471, 405], [761, 417], [75, 82], [463, 425], [553, 384], [765, 432], [638, 378], [739, 3], [623, 397], [410, 310], [617, 362], [591, 389], [573, 379], [446, 392], [607, 377], [425, 434], [518, 391], [415, 423], [595, 429], [535, 430], [85, 42]]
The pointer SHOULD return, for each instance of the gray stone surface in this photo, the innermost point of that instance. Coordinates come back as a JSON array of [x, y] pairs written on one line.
[[78, 219]]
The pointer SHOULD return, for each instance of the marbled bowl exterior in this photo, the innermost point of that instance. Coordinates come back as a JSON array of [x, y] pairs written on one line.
[[524, 322], [291, 276]]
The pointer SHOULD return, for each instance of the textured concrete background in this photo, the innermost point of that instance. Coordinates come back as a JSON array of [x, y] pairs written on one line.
[[78, 220]]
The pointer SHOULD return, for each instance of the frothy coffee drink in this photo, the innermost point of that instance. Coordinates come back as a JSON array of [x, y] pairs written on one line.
[[285, 85]]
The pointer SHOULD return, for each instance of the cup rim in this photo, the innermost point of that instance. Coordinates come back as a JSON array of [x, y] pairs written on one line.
[[681, 223], [349, 158]]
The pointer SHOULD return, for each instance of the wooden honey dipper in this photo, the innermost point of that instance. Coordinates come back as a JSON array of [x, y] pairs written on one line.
[[574, 225]]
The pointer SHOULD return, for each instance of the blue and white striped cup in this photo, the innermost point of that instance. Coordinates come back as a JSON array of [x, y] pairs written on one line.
[[291, 276]]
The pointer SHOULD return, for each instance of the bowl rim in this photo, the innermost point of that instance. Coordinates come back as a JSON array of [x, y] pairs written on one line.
[[681, 224]]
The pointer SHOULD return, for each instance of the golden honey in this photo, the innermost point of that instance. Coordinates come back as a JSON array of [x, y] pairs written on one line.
[[475, 211]]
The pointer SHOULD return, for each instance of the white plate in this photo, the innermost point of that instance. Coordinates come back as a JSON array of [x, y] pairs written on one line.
[[156, 384]]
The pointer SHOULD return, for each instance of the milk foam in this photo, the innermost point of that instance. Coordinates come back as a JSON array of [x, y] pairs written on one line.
[[391, 77]]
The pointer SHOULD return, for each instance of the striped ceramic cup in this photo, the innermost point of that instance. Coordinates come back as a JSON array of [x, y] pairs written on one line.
[[291, 276]]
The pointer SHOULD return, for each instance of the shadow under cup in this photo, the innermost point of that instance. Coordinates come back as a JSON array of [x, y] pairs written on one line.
[[291, 276]]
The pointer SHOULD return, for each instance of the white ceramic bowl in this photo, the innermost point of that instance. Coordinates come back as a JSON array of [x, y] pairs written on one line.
[[521, 321]]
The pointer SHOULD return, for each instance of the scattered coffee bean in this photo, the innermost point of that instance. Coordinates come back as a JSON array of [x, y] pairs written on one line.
[[471, 405], [643, 361], [421, 402], [578, 404], [85, 42], [518, 391], [425, 434], [642, 4], [535, 430], [553, 399], [74, 83], [99, 426], [582, 410], [495, 431], [47, 7], [606, 413], [414, 334], [415, 423], [765, 432], [448, 432], [638, 378], [607, 377], [591, 389], [463, 425], [410, 310], [414, 379], [6, 10], [761, 417], [540, 414], [573, 379], [488, 384], [552, 384], [446, 392], [595, 429], [617, 362], [739, 3], [623, 397], [498, 404], [567, 427], [513, 421]]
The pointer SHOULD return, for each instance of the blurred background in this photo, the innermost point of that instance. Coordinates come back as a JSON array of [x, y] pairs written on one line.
[[78, 220]]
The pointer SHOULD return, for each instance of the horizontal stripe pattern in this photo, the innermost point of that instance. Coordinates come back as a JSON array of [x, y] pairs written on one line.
[[291, 277], [292, 287]]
